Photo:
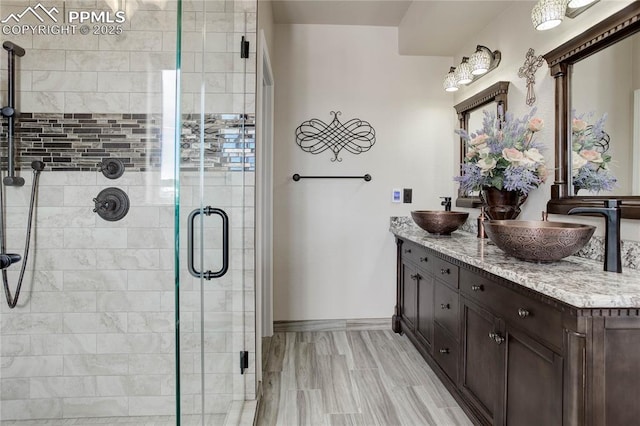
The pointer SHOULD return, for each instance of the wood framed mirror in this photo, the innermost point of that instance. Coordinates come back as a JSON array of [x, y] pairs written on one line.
[[562, 63], [470, 115]]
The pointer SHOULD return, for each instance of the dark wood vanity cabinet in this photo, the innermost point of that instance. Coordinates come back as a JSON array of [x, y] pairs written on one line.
[[416, 293], [512, 370], [512, 356]]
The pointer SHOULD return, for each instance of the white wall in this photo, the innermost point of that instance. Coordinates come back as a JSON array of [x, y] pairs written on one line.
[[334, 256], [513, 34]]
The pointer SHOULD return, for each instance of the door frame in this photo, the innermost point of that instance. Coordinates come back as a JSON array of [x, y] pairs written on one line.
[[264, 197]]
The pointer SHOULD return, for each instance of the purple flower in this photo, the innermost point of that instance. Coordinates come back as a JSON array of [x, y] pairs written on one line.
[[485, 163]]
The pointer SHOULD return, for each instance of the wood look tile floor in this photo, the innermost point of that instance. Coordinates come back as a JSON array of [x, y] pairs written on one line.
[[352, 377]]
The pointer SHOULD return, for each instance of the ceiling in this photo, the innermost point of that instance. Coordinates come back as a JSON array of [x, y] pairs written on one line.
[[426, 27], [386, 13]]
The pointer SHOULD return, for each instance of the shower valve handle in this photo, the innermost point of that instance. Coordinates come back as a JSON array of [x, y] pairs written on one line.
[[102, 205]]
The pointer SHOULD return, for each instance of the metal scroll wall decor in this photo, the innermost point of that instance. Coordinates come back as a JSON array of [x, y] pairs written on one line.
[[528, 71], [315, 136]]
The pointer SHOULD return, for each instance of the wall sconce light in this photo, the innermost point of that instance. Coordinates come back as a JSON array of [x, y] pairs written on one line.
[[450, 84], [547, 14], [484, 60], [463, 72], [471, 68]]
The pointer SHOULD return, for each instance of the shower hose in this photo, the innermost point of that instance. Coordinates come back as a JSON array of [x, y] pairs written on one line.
[[37, 167]]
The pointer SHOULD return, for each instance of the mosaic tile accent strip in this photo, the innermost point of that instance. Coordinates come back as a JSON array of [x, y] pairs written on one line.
[[229, 140], [79, 142]]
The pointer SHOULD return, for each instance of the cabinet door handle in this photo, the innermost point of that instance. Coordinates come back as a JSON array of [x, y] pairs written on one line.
[[407, 250], [444, 350], [477, 288], [416, 277], [423, 259], [496, 338], [445, 306], [523, 313], [445, 271]]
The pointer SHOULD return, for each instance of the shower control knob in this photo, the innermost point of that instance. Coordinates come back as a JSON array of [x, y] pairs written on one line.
[[111, 168], [111, 204]]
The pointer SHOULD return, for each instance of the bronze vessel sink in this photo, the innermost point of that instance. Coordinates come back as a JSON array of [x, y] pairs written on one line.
[[538, 241], [439, 222]]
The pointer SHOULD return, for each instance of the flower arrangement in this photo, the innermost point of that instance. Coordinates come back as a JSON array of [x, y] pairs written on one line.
[[589, 160], [503, 154]]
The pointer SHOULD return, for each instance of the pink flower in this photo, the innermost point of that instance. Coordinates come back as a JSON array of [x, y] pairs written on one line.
[[591, 155], [535, 124], [512, 155], [479, 139], [578, 125]]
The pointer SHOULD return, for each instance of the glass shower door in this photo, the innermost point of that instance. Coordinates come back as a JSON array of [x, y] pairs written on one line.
[[215, 213]]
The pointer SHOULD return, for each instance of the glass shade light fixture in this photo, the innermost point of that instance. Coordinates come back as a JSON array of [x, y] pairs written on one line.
[[450, 84], [547, 14], [482, 59], [463, 72], [471, 68]]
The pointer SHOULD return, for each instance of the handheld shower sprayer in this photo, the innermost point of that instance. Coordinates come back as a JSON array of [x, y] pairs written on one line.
[[9, 111]]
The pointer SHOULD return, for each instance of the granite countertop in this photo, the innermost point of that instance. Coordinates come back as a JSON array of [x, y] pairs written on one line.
[[573, 280]]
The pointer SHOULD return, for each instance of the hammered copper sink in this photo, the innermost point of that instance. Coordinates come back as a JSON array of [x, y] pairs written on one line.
[[439, 222], [538, 241]]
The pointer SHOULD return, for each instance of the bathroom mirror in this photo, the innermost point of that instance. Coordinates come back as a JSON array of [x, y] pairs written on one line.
[[470, 116], [593, 51]]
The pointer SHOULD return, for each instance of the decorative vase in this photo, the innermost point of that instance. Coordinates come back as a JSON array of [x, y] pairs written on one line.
[[500, 204]]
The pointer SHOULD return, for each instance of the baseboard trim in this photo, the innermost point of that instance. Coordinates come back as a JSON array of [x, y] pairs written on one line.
[[333, 325]]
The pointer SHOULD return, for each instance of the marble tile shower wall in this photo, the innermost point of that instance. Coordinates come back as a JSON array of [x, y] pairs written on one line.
[[93, 334], [125, 73]]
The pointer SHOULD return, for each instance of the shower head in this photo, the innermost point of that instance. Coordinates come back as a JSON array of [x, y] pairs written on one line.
[[37, 166], [7, 259], [10, 47]]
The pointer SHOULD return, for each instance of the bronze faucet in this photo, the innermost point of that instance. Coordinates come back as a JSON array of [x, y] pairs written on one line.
[[446, 202], [612, 213]]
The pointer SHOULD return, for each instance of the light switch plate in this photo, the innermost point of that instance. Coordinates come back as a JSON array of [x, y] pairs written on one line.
[[396, 196]]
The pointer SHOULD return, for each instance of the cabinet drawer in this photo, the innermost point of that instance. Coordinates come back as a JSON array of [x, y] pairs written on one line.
[[541, 320], [446, 308], [415, 253], [445, 271], [445, 352]]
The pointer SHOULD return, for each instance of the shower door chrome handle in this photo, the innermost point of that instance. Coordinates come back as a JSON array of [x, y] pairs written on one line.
[[207, 275]]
